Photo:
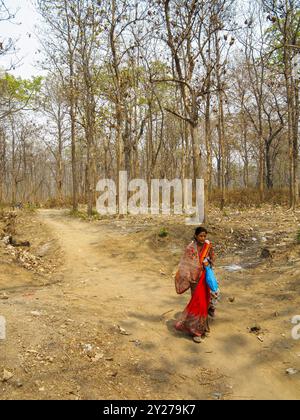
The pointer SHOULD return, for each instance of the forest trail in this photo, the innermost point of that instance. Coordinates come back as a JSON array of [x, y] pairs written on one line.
[[107, 277]]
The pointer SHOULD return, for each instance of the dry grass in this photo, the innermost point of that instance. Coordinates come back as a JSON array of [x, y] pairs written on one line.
[[251, 197]]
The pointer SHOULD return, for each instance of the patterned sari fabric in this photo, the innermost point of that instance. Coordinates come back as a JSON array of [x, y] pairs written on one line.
[[191, 274]]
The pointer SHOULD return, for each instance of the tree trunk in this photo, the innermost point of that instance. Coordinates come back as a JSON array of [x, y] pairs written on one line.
[[208, 142], [269, 167]]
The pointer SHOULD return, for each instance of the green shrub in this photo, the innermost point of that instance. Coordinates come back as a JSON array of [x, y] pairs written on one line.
[[163, 233], [31, 207], [82, 214]]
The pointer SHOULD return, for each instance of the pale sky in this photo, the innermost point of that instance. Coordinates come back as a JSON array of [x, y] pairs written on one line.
[[23, 31], [27, 45]]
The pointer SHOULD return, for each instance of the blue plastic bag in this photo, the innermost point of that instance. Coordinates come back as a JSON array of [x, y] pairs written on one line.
[[211, 280]]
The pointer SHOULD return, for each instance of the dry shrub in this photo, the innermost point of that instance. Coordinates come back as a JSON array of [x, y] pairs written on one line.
[[251, 197], [65, 203], [53, 203]]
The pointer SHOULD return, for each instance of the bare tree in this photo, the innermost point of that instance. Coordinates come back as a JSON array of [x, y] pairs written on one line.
[[285, 17], [61, 45]]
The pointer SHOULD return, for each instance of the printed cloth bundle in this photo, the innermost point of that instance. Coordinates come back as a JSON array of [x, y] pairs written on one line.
[[211, 280], [191, 267]]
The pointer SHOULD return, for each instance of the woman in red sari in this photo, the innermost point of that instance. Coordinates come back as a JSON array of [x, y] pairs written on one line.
[[191, 275]]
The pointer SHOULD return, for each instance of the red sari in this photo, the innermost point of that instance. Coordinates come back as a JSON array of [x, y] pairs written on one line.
[[194, 319]]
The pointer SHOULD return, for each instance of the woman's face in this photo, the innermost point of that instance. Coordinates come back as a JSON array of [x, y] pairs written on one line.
[[201, 238]]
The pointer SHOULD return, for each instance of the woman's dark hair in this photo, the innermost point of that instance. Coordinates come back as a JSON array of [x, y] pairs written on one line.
[[200, 230]]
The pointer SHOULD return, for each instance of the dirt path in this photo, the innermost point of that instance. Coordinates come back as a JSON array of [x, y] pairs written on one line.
[[104, 276]]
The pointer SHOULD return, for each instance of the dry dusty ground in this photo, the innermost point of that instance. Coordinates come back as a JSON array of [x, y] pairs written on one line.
[[90, 311]]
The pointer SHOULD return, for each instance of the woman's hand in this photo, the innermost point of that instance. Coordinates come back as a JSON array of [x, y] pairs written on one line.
[[214, 295]]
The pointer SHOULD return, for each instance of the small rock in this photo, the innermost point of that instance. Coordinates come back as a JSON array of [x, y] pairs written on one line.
[[231, 299], [291, 371], [87, 348], [217, 395], [97, 357], [35, 313], [43, 250], [7, 375], [122, 330], [255, 329], [4, 296], [266, 253], [7, 240], [18, 383], [137, 343]]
